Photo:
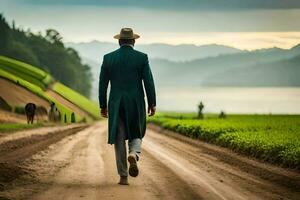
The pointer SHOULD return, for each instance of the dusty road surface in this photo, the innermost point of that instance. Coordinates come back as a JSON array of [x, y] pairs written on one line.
[[77, 163]]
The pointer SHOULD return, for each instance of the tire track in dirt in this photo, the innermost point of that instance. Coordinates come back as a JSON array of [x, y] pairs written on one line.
[[34, 132], [211, 153], [92, 174], [210, 176], [82, 166], [14, 150]]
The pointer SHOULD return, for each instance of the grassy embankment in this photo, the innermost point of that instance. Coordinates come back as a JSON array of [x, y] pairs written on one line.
[[38, 91], [272, 138], [78, 99], [26, 72], [15, 127], [37, 81]]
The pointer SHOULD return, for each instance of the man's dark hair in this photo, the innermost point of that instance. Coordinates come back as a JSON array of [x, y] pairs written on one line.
[[126, 41]]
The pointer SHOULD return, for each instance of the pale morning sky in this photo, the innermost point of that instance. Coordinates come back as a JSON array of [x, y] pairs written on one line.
[[245, 24]]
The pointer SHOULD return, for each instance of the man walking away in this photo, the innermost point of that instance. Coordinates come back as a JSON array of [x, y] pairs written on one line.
[[126, 69]]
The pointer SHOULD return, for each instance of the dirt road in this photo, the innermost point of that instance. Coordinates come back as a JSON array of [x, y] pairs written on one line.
[[81, 165]]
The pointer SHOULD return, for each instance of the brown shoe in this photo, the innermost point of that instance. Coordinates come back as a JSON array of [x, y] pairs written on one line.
[[123, 180], [133, 168]]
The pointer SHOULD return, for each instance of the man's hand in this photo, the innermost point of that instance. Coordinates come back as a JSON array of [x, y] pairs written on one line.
[[104, 112], [151, 110]]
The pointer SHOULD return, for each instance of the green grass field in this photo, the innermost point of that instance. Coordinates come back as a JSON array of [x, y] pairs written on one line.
[[25, 71], [78, 99], [14, 127], [272, 138]]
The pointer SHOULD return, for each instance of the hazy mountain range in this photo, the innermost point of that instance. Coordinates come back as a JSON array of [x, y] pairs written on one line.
[[207, 65], [227, 70], [95, 50]]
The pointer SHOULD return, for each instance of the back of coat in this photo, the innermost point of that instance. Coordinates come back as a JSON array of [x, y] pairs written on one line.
[[127, 70]]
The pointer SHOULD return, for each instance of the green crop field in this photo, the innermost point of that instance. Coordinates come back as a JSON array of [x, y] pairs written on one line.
[[25, 71], [39, 92], [78, 99], [272, 138]]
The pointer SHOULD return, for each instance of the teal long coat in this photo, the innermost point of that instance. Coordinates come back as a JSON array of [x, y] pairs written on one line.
[[126, 69]]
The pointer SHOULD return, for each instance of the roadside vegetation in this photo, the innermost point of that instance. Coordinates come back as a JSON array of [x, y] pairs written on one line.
[[15, 127], [272, 138]]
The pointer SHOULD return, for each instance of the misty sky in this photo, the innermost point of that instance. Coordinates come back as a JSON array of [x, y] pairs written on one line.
[[246, 24]]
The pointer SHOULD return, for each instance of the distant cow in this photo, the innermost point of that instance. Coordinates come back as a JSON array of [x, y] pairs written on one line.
[[30, 111]]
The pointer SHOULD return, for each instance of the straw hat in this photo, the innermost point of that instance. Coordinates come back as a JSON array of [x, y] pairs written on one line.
[[126, 33]]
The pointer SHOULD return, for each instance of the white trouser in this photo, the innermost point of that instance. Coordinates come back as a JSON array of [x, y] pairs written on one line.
[[120, 149]]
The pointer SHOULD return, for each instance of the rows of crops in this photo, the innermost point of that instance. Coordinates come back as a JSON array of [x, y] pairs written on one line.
[[39, 92], [77, 99], [26, 72], [273, 138], [37, 81]]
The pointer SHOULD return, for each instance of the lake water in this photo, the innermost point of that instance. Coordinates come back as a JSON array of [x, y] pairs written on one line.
[[230, 100]]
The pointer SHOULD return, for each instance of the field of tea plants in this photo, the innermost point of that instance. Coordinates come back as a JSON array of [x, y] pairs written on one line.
[[272, 138]]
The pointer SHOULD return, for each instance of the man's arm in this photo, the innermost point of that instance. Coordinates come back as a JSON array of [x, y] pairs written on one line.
[[149, 87], [103, 84]]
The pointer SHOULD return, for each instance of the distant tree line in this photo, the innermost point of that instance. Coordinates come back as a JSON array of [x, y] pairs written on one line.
[[47, 52]]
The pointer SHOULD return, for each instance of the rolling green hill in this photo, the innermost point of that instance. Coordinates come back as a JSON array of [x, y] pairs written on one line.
[[26, 72], [37, 81], [39, 92], [47, 52], [76, 98]]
